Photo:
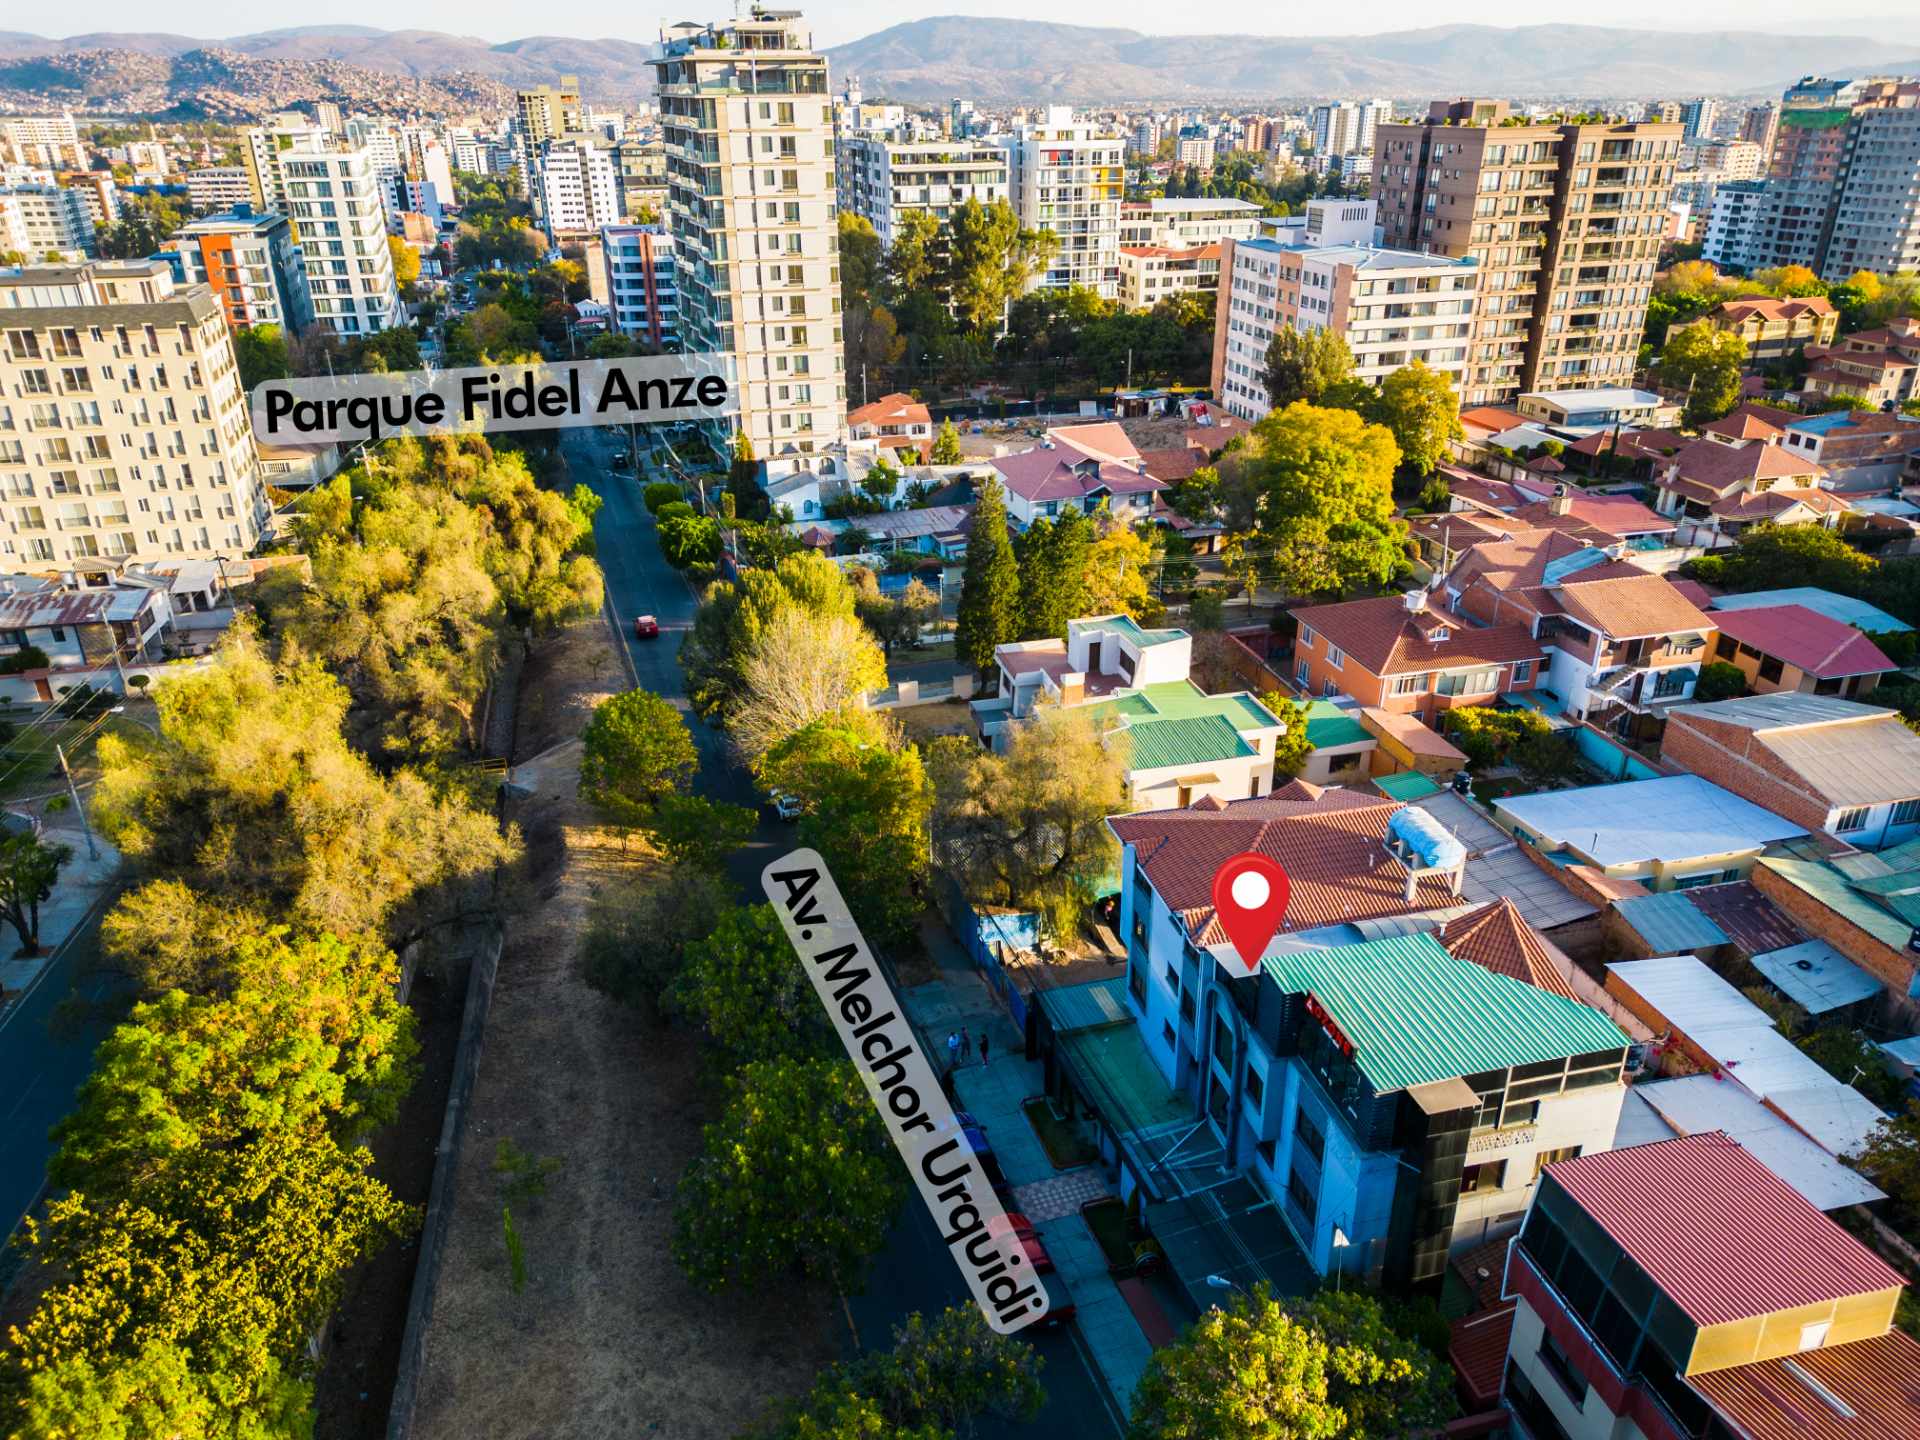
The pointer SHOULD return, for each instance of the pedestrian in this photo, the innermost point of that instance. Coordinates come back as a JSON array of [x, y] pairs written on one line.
[[983, 1047], [953, 1049], [966, 1045]]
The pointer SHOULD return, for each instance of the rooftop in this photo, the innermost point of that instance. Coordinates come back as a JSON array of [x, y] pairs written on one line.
[[1843, 608], [1613, 397], [1723, 1236], [1826, 648], [1386, 638], [1866, 1390], [1670, 923], [1671, 818], [1844, 752], [1496, 938], [1330, 726], [1816, 977], [1697, 1104]]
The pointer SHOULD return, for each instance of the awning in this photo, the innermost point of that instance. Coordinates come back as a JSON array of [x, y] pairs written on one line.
[[1232, 1231]]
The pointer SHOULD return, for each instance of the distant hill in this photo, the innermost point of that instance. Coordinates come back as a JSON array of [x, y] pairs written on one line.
[[991, 60], [1013, 60]]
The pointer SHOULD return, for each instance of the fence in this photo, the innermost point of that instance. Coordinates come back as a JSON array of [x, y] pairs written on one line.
[[921, 692], [1611, 759], [979, 933]]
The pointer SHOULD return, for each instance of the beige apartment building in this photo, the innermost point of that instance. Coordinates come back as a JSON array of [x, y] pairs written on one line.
[[123, 425], [1067, 177], [1565, 221], [747, 120]]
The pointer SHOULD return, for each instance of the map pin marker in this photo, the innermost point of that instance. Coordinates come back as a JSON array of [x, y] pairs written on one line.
[[1250, 896]]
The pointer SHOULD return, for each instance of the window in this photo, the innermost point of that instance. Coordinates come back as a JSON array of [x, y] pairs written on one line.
[[1410, 684], [1544, 1158], [1907, 812], [1479, 1179], [1173, 980], [1522, 672], [1254, 1087], [1854, 819], [1166, 1034], [1301, 673], [1559, 1364], [1306, 637], [1312, 1139], [1186, 1007], [1336, 657], [1303, 1199], [1814, 1335], [1265, 1150]]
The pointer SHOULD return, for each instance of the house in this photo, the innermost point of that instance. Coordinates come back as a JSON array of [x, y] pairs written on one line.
[[1180, 743], [1720, 484], [1620, 642], [1844, 608], [1864, 452], [1878, 364], [1774, 330], [1580, 412], [1343, 748], [896, 421], [1668, 833], [936, 530], [1397, 653], [1078, 468], [90, 626], [1865, 904], [1681, 1289], [1392, 1098], [297, 466], [1793, 648]]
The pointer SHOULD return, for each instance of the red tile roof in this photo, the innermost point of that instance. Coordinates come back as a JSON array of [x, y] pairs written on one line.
[[1719, 468], [1743, 426], [1102, 440], [1044, 474], [1769, 308], [1825, 648], [1172, 465], [1491, 418], [1624, 607], [1616, 515], [1496, 938], [1878, 1380], [895, 409], [1329, 841], [1385, 638], [1696, 593], [1745, 505], [1719, 1232], [1478, 1350]]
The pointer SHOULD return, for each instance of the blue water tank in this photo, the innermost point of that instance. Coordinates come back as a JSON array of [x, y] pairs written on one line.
[[1427, 838]]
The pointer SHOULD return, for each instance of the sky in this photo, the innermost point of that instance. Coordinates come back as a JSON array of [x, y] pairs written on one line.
[[837, 21]]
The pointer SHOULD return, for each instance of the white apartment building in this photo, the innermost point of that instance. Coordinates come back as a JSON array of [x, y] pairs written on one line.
[[1067, 177], [1194, 147], [43, 220], [1152, 273], [1346, 127], [251, 265], [123, 426], [333, 199], [578, 189], [49, 141], [218, 187], [636, 282], [1734, 159], [1393, 307], [1178, 223], [881, 177], [1741, 225], [747, 122]]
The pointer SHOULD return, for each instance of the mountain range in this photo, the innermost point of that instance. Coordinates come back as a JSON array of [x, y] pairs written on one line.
[[994, 61]]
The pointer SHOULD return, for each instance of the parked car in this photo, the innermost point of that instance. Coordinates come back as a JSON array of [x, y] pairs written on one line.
[[982, 1148], [646, 627], [786, 806], [1021, 1228], [1060, 1306]]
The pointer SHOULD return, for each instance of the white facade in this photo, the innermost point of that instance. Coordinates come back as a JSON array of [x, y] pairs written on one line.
[[333, 199], [1178, 223], [1194, 147], [123, 425], [1735, 159], [748, 127], [882, 178], [1741, 225], [577, 188], [1067, 177], [43, 220], [52, 141], [1346, 127], [641, 293], [218, 187]]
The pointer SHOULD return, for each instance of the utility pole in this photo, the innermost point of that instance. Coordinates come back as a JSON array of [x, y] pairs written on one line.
[[93, 851], [863, 384]]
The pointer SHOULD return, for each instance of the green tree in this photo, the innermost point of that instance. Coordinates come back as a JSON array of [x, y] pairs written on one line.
[[735, 615], [1291, 749], [991, 258], [1196, 498], [1388, 1384], [882, 481], [915, 251], [1248, 1372], [1316, 487], [28, 868], [1420, 408], [1052, 556], [1891, 1160], [989, 612], [796, 1178], [745, 987], [696, 833], [1119, 561], [638, 930], [1706, 364], [689, 540], [946, 445], [635, 750], [1719, 681], [1304, 364], [261, 352], [155, 1393], [1785, 556]]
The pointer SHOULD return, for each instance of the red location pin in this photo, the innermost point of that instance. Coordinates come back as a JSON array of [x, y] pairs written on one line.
[[1250, 896]]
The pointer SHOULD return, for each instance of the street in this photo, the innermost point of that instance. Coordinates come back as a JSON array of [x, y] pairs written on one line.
[[914, 1271]]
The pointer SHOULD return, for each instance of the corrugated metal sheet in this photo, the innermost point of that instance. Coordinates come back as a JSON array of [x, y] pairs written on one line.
[[1719, 1232], [1675, 818], [1861, 762], [1670, 923], [1201, 740], [1877, 1380], [1416, 1014], [1088, 1006], [1817, 977], [1696, 1104]]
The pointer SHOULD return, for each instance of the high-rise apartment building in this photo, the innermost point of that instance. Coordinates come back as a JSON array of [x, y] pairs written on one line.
[[1565, 221], [547, 113], [1347, 126], [881, 177], [747, 118], [579, 190], [1696, 120], [1759, 125], [123, 425], [1392, 307], [101, 196], [640, 173], [1067, 177], [635, 280], [1194, 146], [50, 142], [251, 264], [43, 220], [218, 187], [332, 197], [1734, 159]]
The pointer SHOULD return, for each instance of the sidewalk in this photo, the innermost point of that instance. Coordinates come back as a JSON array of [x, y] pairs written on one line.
[[83, 880], [1050, 1198]]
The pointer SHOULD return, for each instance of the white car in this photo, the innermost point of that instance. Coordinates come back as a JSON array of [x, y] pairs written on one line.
[[786, 806]]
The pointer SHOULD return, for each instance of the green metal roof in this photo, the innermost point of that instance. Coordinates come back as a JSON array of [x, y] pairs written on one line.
[[1128, 627], [1087, 1007], [1182, 700], [1831, 888], [1200, 740], [1416, 1014], [1131, 704], [1119, 1079], [1407, 786], [1329, 725]]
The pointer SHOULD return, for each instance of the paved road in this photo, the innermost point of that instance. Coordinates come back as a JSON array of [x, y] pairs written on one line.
[[914, 1272], [42, 1065]]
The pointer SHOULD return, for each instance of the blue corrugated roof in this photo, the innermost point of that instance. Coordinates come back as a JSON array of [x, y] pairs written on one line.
[[1844, 608], [1670, 923]]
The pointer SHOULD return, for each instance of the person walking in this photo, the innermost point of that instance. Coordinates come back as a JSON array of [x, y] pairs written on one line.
[[983, 1047], [966, 1045], [953, 1049]]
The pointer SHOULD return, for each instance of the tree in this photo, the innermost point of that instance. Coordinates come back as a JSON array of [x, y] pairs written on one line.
[[801, 669], [1291, 749], [914, 253], [1116, 572], [1706, 363], [28, 868], [1772, 556], [946, 445], [638, 931], [1052, 556], [1196, 498], [696, 833], [154, 1393], [882, 481], [1688, 277], [734, 616], [991, 258], [261, 352], [1387, 1383], [1304, 364], [745, 987], [1719, 681], [687, 540], [167, 936], [1316, 487], [406, 261], [1789, 281], [989, 613], [796, 1178], [1419, 407], [1248, 1372], [1028, 829], [865, 806], [1891, 1160], [635, 750]]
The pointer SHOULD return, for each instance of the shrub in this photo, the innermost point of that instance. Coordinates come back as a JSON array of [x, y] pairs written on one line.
[[27, 657], [659, 493], [1719, 681]]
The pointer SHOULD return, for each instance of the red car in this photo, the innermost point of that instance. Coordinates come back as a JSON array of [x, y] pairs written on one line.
[[1022, 1230], [645, 627]]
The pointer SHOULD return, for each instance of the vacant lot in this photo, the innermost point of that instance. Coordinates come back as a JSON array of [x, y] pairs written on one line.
[[606, 1339]]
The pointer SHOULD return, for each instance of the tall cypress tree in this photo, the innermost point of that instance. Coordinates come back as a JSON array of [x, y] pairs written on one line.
[[1053, 574], [990, 589]]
